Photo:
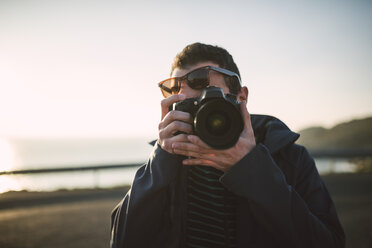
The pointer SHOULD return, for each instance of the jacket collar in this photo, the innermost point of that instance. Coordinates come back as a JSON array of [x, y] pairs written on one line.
[[272, 132]]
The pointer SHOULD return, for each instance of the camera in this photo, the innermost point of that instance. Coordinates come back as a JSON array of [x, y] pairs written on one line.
[[217, 118]]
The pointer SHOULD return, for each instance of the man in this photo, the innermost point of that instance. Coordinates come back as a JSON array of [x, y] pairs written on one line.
[[265, 191]]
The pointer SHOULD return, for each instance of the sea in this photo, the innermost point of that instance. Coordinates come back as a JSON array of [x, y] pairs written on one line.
[[32, 153]]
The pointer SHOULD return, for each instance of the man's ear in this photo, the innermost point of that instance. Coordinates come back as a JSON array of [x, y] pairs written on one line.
[[243, 94]]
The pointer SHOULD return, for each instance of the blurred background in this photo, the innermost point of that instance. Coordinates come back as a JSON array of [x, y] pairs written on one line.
[[79, 101]]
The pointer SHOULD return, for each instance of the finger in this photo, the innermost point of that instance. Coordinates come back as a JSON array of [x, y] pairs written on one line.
[[197, 155], [212, 157], [186, 153], [186, 146], [179, 138], [175, 115], [197, 141], [198, 161], [165, 103], [166, 143], [176, 126]]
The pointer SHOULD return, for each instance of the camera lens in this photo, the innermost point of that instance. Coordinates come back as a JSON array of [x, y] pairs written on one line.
[[217, 123]]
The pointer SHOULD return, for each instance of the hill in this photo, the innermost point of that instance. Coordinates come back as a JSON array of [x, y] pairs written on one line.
[[353, 135]]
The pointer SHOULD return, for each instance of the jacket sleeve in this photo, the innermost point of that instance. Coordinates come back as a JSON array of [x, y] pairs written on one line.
[[142, 211], [297, 215]]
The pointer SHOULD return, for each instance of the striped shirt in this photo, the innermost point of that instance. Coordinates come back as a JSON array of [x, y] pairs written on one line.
[[211, 210]]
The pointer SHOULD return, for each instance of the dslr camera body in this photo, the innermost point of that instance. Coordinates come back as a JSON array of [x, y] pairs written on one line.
[[217, 117]]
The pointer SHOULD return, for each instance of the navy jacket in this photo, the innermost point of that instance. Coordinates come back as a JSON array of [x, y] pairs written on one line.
[[282, 201]]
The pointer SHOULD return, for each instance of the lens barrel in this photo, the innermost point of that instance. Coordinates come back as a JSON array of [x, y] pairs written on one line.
[[218, 123]]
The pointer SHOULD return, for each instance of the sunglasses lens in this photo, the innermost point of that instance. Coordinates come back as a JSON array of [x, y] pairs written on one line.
[[198, 79], [169, 87]]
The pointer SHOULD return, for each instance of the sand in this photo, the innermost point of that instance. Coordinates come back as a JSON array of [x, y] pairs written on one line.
[[81, 218]]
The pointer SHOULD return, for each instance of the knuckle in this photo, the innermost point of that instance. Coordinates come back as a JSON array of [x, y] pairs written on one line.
[[167, 144], [162, 133], [160, 126], [171, 126], [183, 136], [177, 125], [164, 102], [172, 114]]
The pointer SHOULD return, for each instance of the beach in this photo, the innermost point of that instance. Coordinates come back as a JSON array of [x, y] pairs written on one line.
[[81, 218]]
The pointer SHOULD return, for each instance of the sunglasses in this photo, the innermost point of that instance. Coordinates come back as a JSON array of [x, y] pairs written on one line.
[[197, 79]]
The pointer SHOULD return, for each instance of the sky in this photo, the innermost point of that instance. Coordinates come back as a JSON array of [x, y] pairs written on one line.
[[91, 68]]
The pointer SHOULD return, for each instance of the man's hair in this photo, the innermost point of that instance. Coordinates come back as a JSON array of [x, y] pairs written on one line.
[[198, 52]]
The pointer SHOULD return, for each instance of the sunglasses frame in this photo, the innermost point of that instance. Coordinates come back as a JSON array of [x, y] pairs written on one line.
[[223, 71]]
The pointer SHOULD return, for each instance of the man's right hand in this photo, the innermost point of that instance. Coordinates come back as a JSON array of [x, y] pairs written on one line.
[[173, 122]]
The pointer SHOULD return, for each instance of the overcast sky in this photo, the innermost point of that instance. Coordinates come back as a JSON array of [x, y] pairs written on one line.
[[91, 68]]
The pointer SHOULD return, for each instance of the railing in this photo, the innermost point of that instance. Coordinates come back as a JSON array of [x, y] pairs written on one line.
[[357, 153], [67, 169]]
